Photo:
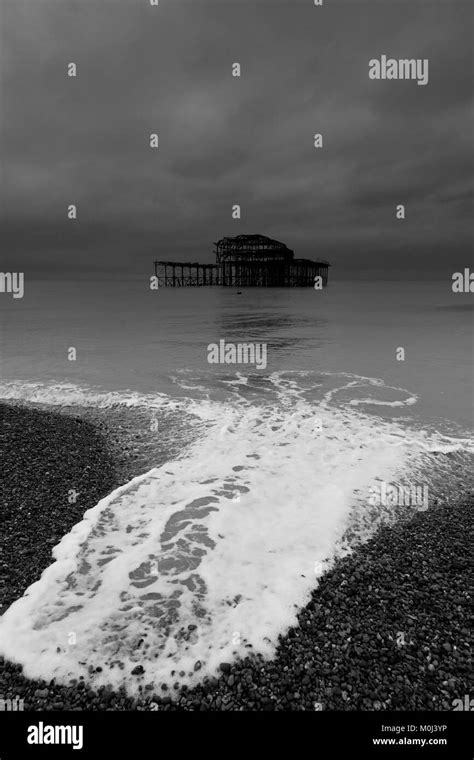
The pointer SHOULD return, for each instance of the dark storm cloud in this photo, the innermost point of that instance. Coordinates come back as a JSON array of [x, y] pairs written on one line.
[[225, 140]]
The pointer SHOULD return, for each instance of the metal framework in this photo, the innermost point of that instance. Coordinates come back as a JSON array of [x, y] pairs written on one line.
[[244, 261], [177, 274]]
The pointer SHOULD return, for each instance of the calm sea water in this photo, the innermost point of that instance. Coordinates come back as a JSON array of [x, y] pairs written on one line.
[[274, 467], [130, 338]]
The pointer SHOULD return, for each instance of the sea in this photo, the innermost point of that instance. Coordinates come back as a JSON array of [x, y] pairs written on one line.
[[274, 472]]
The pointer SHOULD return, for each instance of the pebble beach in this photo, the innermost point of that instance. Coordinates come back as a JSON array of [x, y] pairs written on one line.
[[386, 628]]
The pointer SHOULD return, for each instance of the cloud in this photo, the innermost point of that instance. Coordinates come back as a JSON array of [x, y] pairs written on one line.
[[226, 140]]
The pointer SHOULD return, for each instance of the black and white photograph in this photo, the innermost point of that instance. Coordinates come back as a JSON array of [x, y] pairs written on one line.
[[236, 373]]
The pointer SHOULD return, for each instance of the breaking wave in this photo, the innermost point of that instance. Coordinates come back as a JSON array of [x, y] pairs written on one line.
[[211, 555]]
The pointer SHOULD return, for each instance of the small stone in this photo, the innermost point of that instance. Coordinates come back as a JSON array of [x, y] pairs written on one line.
[[138, 670], [225, 667]]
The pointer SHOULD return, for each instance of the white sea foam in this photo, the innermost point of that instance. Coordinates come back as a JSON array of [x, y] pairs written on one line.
[[69, 394], [378, 402], [214, 551]]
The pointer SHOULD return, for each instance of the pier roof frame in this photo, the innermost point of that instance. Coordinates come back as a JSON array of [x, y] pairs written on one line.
[[252, 247]]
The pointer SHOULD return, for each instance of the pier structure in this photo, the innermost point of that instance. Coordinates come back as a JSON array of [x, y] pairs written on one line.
[[244, 261], [181, 274]]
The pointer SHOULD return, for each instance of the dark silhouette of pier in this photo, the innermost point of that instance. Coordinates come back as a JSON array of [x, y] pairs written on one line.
[[244, 261]]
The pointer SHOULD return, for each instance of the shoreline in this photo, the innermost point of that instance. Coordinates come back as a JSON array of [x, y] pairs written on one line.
[[386, 629]]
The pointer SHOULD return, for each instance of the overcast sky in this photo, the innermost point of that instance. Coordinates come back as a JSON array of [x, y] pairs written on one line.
[[226, 140]]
